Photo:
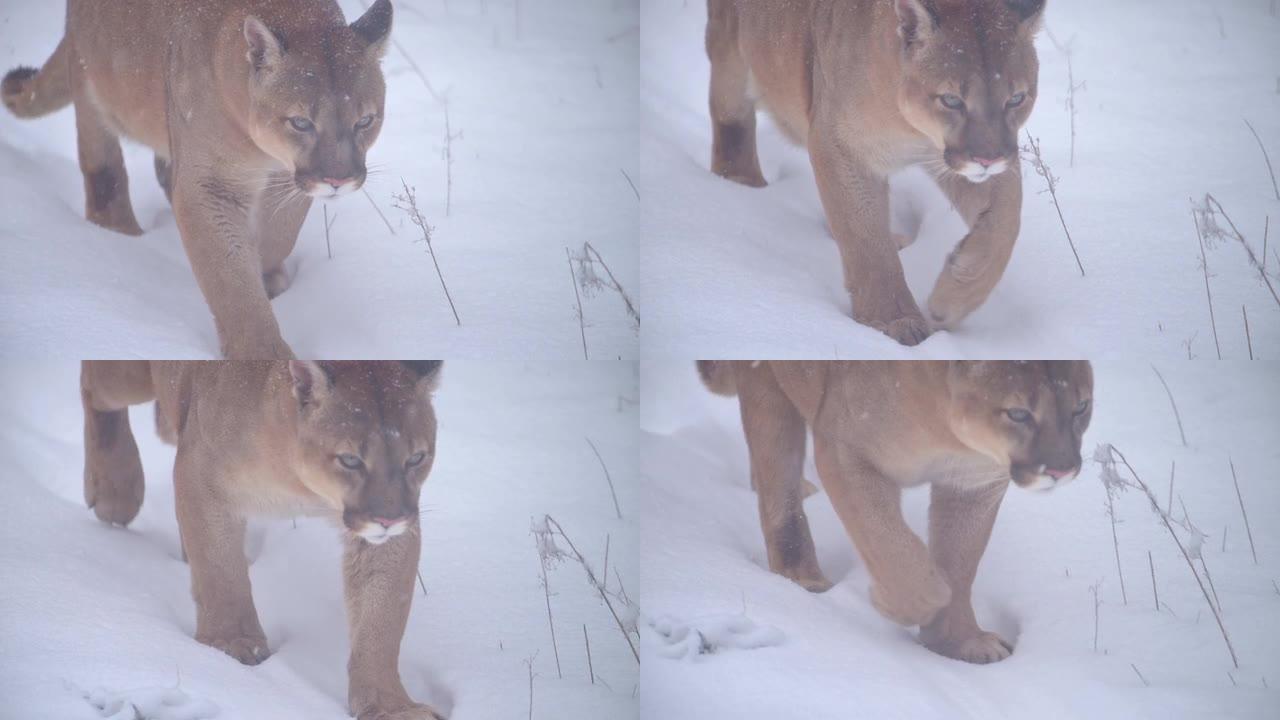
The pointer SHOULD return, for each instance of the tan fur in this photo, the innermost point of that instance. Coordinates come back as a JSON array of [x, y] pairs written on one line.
[[879, 427], [211, 88], [860, 82], [265, 438]]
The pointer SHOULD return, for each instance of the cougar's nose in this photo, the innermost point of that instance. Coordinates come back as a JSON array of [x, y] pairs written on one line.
[[336, 183], [984, 161], [1058, 474], [387, 522]]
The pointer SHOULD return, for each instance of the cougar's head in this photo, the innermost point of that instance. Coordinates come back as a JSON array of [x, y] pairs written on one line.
[[367, 439], [316, 96], [1030, 416], [969, 78]]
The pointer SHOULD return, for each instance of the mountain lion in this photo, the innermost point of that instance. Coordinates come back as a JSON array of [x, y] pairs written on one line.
[[252, 107], [870, 86], [352, 441], [966, 428]]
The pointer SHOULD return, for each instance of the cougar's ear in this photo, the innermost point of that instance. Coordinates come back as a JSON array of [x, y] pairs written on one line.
[[428, 372], [917, 19], [311, 382], [374, 27], [1030, 12], [265, 47]]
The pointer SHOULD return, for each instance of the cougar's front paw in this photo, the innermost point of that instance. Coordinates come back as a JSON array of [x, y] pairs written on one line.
[[415, 712], [982, 648], [913, 599], [908, 330], [248, 650]]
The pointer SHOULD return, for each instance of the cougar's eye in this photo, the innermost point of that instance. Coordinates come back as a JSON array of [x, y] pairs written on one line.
[[1082, 408], [364, 122], [1018, 415], [350, 462], [951, 102], [301, 124], [415, 459], [1016, 100]]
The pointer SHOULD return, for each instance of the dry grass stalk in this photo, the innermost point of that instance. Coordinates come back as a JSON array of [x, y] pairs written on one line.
[[548, 547], [1208, 220], [587, 640], [378, 210], [1176, 416], [1144, 680], [582, 324], [612, 492], [1270, 171], [1204, 266], [449, 137], [592, 282], [1115, 543], [1032, 153], [1155, 594], [1247, 337], [408, 202], [1243, 514], [1106, 454]]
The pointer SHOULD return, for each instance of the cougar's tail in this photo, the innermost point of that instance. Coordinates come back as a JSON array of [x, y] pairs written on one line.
[[717, 375], [30, 93]]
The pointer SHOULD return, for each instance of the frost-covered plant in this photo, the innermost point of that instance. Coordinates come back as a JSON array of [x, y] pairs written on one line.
[[1107, 456]]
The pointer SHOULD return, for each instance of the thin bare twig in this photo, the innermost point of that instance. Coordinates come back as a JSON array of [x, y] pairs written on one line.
[[1208, 214], [591, 281], [1094, 589], [1032, 151], [632, 184], [409, 204], [1164, 518], [1173, 465], [551, 623], [1155, 594], [1115, 543], [609, 478], [1144, 680], [1265, 156], [378, 210], [1243, 514], [1176, 416], [582, 326], [449, 137], [328, 224], [587, 641], [422, 584], [529, 663], [1247, 337], [595, 583], [1204, 265]]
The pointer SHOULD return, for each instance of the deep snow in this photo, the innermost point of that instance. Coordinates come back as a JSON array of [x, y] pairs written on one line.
[[736, 272], [542, 99], [91, 613], [774, 650]]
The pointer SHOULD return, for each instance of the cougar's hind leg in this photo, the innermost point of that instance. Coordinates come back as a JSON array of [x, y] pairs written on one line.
[[776, 435], [113, 481], [106, 184], [733, 113]]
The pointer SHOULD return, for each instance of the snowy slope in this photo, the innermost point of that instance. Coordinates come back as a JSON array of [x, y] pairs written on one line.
[[84, 606], [541, 97], [784, 652], [731, 271]]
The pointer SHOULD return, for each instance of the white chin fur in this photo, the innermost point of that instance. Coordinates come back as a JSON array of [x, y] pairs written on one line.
[[975, 173], [322, 191], [376, 534]]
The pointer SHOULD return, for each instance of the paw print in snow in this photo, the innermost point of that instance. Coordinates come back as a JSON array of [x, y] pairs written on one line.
[[150, 704], [712, 634]]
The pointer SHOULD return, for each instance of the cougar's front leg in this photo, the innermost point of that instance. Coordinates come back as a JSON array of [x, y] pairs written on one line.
[[960, 522], [277, 220], [856, 202], [212, 533], [733, 112], [993, 210], [213, 219], [379, 591], [906, 587], [775, 434]]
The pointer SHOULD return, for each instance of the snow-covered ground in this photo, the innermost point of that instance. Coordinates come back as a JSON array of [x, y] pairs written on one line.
[[731, 271], [778, 651], [541, 97], [98, 617]]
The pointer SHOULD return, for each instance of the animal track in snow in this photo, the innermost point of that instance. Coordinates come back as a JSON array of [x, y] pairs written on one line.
[[711, 634], [149, 704]]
